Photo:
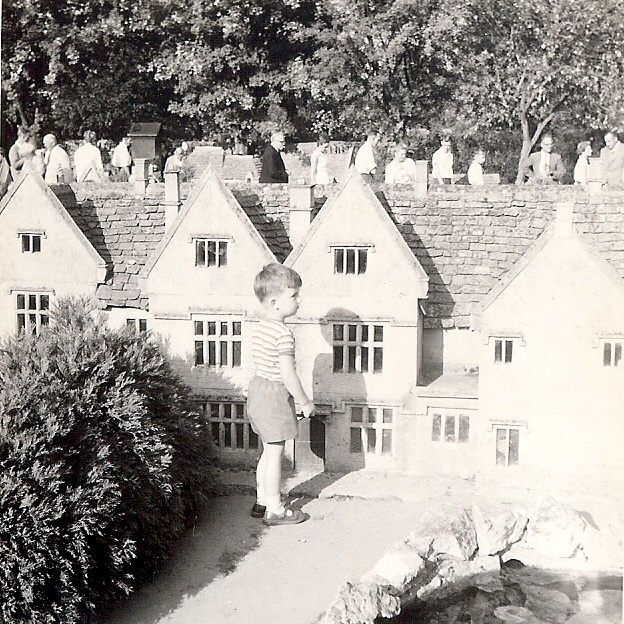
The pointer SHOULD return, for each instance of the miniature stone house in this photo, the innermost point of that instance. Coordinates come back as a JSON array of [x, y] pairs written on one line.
[[472, 332]]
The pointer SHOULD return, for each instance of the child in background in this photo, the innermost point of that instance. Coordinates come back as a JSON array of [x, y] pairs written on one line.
[[475, 171], [584, 151], [270, 403]]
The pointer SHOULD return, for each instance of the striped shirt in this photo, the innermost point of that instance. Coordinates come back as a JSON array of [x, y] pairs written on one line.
[[270, 340]]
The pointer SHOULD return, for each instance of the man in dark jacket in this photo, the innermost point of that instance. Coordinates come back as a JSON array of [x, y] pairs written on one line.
[[273, 168]]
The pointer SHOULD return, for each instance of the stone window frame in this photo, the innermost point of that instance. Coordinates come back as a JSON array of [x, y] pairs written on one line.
[[357, 348], [31, 241], [212, 346], [447, 428], [219, 253], [350, 259], [504, 457], [504, 346], [611, 349], [371, 436], [138, 324], [32, 310], [229, 426]]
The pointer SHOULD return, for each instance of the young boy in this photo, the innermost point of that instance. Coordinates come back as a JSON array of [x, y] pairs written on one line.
[[274, 389]]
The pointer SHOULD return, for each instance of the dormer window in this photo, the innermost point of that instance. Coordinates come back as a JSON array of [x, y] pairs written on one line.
[[211, 252], [350, 260], [31, 243], [612, 353]]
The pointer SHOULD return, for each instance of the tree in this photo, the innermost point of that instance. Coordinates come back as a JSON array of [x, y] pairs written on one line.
[[528, 65]]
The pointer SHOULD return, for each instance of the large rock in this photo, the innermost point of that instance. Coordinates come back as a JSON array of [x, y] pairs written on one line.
[[398, 567], [496, 534], [548, 604], [361, 603], [516, 615], [555, 530], [451, 532]]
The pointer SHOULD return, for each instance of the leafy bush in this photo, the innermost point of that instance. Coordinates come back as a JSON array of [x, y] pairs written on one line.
[[103, 464]]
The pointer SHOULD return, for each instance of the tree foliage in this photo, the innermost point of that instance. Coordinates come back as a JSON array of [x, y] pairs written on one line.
[[103, 465]]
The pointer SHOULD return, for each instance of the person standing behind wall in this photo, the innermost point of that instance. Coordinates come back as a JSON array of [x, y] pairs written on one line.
[[58, 168], [365, 163], [273, 168], [122, 159], [21, 151], [612, 156], [88, 160], [442, 162], [319, 173]]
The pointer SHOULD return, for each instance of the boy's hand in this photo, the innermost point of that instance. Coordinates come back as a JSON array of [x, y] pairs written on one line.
[[308, 409]]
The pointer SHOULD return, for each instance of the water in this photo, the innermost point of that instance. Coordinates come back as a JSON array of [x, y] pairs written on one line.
[[521, 594]]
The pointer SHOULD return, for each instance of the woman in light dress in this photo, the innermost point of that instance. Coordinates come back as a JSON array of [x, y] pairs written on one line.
[[584, 150], [319, 161]]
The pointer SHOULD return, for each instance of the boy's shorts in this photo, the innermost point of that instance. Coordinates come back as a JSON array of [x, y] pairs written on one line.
[[271, 410]]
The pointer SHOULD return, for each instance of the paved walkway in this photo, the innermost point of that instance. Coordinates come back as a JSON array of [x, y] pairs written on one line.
[[232, 569]]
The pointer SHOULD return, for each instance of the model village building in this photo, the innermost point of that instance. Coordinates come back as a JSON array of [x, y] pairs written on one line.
[[475, 332]]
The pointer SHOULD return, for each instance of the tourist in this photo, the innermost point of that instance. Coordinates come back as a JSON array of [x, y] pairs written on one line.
[[5, 174], [270, 404], [612, 156], [475, 171], [365, 163], [88, 160], [174, 162], [57, 166], [543, 167], [122, 159], [273, 169], [21, 151], [584, 151], [319, 173], [401, 170], [442, 162]]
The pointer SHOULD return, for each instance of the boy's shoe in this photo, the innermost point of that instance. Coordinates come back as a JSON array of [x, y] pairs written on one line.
[[288, 516], [257, 511]]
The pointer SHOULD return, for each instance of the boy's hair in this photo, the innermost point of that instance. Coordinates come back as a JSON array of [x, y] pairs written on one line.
[[275, 279], [582, 146]]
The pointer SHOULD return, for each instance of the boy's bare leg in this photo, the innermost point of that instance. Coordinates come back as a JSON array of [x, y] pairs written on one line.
[[272, 475]]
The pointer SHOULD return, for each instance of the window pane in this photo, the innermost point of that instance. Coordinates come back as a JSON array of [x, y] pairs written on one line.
[[215, 433], [372, 440], [224, 328], [25, 242], [199, 328], [130, 323], [449, 429], [227, 410], [236, 353], [372, 414], [32, 319], [21, 322], [212, 328], [617, 355], [228, 436], [338, 359], [386, 441], [436, 428], [352, 333], [253, 439], [224, 353], [32, 302], [240, 435], [44, 320], [514, 443], [606, 354], [200, 253], [501, 447], [378, 333], [352, 351], [364, 333], [212, 353], [199, 353], [236, 328], [240, 411], [364, 359], [362, 260], [498, 350], [44, 302], [464, 429], [142, 325], [377, 360], [36, 243], [338, 261], [21, 302], [214, 410], [356, 440], [356, 414], [338, 332], [508, 350], [211, 253], [223, 253], [350, 260], [387, 415]]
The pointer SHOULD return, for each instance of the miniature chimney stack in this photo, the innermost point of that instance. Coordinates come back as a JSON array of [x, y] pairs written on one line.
[[301, 197], [172, 197], [563, 219]]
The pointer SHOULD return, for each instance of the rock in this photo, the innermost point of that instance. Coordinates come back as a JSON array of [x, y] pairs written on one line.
[[606, 603], [398, 567], [555, 530], [361, 603], [494, 535], [516, 615], [549, 604], [450, 532]]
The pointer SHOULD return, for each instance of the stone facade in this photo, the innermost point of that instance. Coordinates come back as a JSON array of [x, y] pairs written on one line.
[[474, 331]]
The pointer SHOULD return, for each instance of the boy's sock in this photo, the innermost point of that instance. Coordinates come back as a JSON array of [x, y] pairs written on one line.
[[274, 505]]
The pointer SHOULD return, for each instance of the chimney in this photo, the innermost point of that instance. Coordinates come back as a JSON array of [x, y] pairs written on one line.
[[301, 200], [422, 174], [595, 175], [172, 197], [563, 220], [141, 175]]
